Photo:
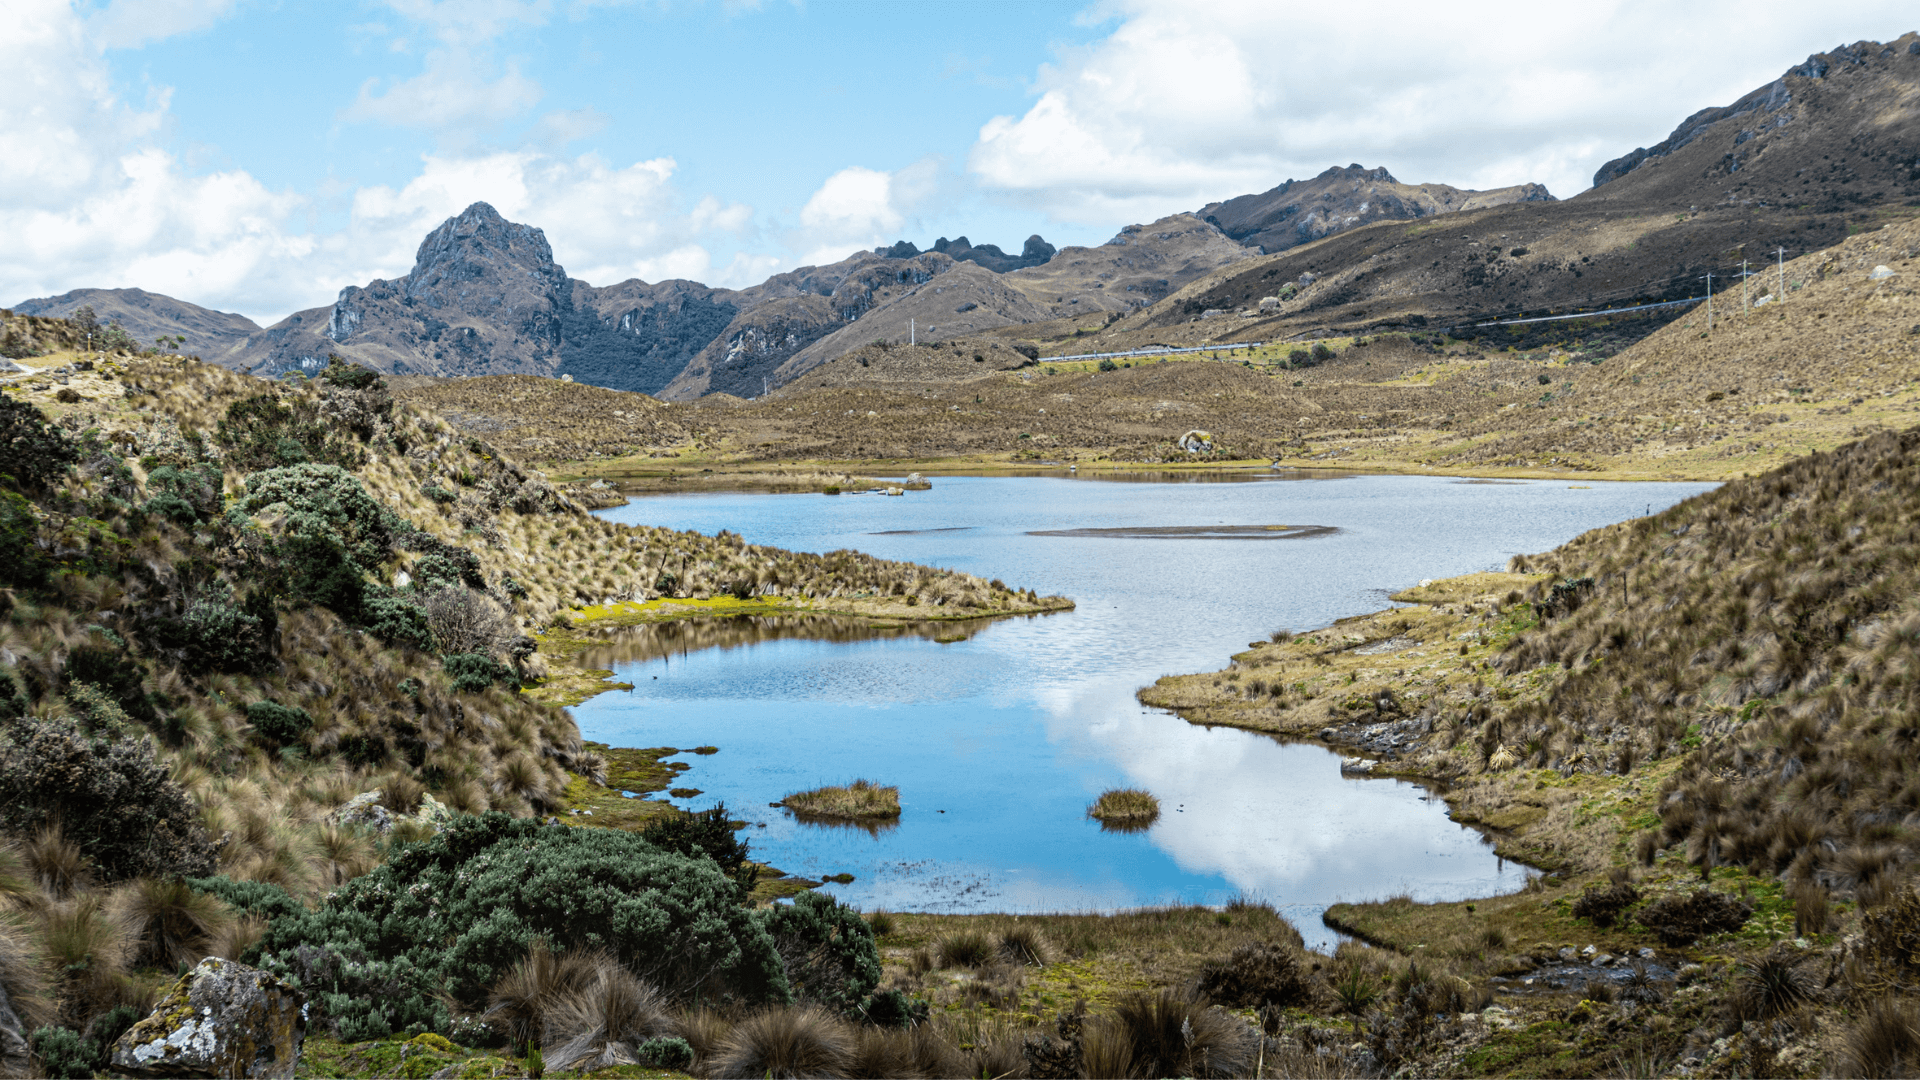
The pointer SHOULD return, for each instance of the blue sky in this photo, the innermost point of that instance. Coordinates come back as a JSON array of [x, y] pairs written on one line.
[[258, 155]]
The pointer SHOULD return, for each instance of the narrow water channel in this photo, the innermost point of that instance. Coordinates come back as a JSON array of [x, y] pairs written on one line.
[[1000, 734]]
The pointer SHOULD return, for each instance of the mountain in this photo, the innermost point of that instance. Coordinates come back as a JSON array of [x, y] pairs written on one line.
[[1829, 148], [148, 316], [1301, 211]]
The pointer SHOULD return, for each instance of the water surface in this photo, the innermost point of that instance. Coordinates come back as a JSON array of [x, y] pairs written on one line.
[[1000, 739]]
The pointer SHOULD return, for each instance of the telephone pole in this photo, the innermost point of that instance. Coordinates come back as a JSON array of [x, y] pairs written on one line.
[[1709, 301], [1781, 253]]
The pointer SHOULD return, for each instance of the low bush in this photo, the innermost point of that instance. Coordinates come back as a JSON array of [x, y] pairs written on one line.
[[1685, 919], [283, 724], [471, 673], [827, 951], [457, 910], [62, 1052], [1256, 974], [1602, 905], [120, 806]]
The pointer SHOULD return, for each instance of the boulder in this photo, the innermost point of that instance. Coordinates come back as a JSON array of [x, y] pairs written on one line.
[[13, 1039], [221, 1019]]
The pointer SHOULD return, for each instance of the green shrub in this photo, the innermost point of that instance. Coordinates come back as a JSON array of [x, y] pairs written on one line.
[[326, 501], [1109, 365], [454, 912], [665, 1052], [264, 432], [349, 376], [1320, 353], [212, 632], [63, 1053], [395, 619], [828, 952], [250, 898], [1257, 974], [709, 835], [471, 673], [110, 796], [185, 495], [438, 494], [32, 451], [26, 565], [281, 723]]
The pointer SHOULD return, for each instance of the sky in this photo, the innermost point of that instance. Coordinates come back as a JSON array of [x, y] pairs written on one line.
[[259, 155]]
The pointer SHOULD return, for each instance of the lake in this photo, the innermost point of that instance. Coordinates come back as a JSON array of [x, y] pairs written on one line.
[[999, 740]]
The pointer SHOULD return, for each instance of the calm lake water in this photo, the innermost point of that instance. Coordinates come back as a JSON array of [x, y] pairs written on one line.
[[1001, 740]]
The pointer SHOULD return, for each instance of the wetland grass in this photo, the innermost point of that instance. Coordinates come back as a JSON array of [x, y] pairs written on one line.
[[862, 800], [1125, 809]]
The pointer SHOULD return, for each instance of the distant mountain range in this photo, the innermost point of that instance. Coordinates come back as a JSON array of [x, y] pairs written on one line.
[[1788, 165]]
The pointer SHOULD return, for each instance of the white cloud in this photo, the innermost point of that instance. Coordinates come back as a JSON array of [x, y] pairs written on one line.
[[456, 90], [89, 200], [129, 24], [1183, 104], [858, 209]]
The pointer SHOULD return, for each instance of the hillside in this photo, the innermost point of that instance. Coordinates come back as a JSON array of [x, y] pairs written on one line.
[[1713, 698], [1302, 211], [150, 316]]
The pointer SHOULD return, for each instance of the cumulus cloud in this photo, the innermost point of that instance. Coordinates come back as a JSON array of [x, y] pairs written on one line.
[[859, 209], [1181, 104]]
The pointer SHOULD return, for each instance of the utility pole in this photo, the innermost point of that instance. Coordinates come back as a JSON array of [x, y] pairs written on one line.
[[1781, 253], [912, 334], [1744, 291], [1709, 301]]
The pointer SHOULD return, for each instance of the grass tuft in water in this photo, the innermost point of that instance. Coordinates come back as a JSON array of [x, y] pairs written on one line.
[[1126, 807], [862, 799]]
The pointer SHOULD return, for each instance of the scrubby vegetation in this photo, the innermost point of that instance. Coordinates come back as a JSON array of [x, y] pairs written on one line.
[[1700, 721], [258, 692]]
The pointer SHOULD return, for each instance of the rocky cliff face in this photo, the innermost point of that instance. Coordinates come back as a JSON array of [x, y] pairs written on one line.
[[484, 298], [1837, 132], [1301, 211], [1036, 252]]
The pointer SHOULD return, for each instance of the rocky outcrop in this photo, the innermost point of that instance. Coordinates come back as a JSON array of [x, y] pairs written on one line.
[[1036, 252], [742, 360], [1301, 211], [1769, 98], [220, 1019]]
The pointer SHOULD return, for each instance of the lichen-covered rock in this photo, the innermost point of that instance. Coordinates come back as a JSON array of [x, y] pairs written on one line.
[[221, 1019], [365, 812]]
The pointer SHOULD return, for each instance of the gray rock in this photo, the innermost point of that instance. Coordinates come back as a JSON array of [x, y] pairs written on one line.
[[220, 1019], [13, 1039]]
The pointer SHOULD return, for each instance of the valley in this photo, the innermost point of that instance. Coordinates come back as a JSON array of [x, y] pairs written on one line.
[[322, 644]]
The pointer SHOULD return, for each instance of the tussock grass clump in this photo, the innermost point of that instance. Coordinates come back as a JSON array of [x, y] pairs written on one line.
[[1125, 808], [858, 801], [1883, 1042], [785, 1042], [966, 949]]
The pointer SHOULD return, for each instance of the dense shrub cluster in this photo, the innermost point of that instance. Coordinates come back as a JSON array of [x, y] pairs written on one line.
[[108, 795]]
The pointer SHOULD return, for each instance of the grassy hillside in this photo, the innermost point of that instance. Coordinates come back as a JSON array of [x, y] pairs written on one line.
[[1720, 693], [229, 607]]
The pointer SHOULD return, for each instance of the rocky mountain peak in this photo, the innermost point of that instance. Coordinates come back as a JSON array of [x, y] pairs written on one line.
[[476, 241]]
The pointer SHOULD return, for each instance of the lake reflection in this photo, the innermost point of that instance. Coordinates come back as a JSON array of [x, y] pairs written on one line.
[[1002, 734]]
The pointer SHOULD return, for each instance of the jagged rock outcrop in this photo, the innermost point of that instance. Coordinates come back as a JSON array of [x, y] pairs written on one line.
[[1301, 211], [221, 1019], [742, 359], [1036, 252]]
